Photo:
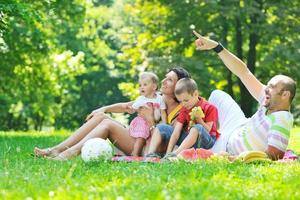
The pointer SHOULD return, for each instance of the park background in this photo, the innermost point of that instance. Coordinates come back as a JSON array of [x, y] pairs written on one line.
[[59, 60]]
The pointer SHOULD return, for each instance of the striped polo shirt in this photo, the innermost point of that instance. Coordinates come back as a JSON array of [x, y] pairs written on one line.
[[262, 130]]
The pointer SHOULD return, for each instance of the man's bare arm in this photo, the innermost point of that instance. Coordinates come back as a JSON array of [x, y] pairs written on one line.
[[234, 64], [274, 153]]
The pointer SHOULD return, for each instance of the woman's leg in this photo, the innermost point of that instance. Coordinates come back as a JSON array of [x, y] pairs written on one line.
[[160, 138], [73, 139], [108, 128]]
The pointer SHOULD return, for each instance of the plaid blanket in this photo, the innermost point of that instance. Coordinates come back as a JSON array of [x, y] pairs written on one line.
[[193, 155], [135, 159]]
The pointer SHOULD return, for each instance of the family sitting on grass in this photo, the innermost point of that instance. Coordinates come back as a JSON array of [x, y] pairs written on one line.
[[190, 121]]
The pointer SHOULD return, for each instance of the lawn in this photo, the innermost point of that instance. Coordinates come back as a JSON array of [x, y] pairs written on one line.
[[25, 177]]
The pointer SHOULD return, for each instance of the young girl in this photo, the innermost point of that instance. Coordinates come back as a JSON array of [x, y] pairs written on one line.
[[139, 128]]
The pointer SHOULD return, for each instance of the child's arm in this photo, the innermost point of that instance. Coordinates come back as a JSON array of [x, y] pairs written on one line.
[[175, 136], [163, 111], [206, 125], [211, 118], [163, 116]]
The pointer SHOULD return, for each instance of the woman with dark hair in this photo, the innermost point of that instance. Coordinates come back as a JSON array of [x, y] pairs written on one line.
[[102, 126]]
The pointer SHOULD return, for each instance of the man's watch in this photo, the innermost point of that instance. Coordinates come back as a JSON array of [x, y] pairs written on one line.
[[218, 48]]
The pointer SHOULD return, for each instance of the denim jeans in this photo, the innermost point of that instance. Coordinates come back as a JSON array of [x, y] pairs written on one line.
[[204, 140]]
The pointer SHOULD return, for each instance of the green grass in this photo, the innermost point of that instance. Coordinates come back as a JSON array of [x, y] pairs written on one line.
[[26, 177]]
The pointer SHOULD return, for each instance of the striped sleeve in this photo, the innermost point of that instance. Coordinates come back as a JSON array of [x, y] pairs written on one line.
[[281, 126]]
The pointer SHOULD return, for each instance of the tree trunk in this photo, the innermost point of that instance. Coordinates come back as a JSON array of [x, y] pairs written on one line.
[[229, 85], [247, 101], [239, 43], [228, 73], [38, 123]]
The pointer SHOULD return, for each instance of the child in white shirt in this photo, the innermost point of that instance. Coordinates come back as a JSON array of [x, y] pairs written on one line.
[[139, 128]]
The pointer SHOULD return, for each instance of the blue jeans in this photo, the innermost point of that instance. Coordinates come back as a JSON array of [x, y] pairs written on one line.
[[204, 140]]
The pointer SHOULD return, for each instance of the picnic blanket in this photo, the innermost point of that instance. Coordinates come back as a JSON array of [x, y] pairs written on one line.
[[203, 154], [135, 159]]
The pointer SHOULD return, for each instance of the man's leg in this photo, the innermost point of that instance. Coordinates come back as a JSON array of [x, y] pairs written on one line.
[[230, 117], [230, 113]]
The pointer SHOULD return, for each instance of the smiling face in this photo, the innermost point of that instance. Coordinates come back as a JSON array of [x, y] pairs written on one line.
[[168, 83], [188, 100], [274, 94]]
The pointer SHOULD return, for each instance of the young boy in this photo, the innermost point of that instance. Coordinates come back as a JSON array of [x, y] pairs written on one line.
[[203, 131]]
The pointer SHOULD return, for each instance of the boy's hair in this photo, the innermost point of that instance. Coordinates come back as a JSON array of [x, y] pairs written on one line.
[[186, 85], [149, 76]]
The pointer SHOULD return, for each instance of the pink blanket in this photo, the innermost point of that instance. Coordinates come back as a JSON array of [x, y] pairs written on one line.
[[195, 154]]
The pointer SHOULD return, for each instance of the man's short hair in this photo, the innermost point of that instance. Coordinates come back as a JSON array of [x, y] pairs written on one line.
[[288, 84], [186, 85]]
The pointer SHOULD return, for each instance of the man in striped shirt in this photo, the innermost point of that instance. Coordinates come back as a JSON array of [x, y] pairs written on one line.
[[269, 128]]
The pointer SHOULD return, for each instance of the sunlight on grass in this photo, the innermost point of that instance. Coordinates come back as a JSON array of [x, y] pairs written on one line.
[[25, 177], [60, 133], [294, 142]]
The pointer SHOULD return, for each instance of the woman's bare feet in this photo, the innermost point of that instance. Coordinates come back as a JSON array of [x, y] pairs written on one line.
[[58, 157], [66, 155], [48, 152]]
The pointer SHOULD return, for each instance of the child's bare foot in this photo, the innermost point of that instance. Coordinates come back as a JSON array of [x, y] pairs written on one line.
[[45, 152]]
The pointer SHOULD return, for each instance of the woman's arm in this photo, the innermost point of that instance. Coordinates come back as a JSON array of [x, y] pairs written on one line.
[[174, 137], [164, 116], [114, 108], [118, 108]]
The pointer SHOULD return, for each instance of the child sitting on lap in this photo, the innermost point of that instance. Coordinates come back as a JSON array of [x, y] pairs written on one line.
[[139, 128], [198, 130]]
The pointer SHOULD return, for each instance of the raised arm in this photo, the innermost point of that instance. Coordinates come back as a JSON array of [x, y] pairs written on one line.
[[234, 64]]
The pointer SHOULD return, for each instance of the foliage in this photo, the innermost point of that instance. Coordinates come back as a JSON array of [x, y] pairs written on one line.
[[59, 60], [25, 177], [257, 31], [56, 63]]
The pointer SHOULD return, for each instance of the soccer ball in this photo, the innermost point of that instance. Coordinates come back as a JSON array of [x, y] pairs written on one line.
[[96, 148]]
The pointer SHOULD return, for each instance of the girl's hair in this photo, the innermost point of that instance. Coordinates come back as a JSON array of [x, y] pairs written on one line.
[[149, 76]]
